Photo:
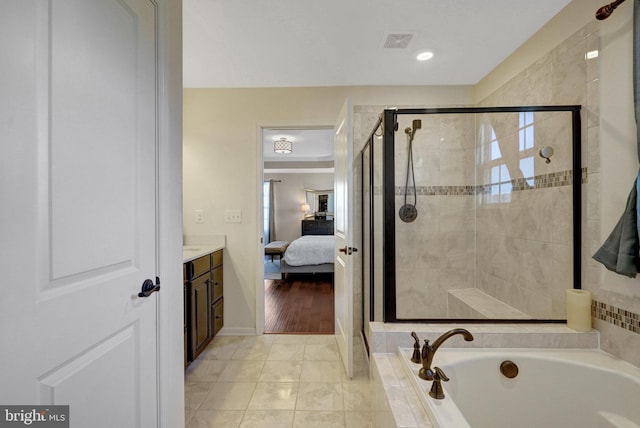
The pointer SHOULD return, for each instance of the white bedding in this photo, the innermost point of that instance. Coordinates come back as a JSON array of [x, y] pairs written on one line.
[[310, 250]]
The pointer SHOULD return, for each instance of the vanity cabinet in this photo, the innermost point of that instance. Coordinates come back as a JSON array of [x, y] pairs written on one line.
[[203, 289]]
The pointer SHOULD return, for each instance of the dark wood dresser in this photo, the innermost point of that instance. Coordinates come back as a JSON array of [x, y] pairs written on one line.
[[317, 227]]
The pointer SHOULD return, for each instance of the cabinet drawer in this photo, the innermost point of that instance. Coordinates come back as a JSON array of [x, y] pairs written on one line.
[[217, 316], [217, 287], [216, 258], [200, 266]]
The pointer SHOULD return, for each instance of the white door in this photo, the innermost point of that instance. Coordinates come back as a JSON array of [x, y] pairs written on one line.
[[78, 130], [343, 281]]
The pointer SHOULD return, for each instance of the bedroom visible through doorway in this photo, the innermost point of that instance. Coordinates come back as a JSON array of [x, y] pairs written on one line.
[[297, 199]]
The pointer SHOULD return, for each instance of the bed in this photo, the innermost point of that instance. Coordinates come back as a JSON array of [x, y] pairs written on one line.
[[313, 252]]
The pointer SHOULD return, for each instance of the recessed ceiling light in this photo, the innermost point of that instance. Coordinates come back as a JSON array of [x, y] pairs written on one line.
[[423, 56]]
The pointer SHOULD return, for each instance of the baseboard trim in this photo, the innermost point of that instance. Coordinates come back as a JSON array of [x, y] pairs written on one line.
[[237, 331]]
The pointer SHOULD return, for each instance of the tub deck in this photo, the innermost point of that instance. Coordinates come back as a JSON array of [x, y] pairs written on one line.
[[476, 385], [394, 400]]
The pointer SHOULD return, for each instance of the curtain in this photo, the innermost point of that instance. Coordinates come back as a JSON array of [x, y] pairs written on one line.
[[269, 217]]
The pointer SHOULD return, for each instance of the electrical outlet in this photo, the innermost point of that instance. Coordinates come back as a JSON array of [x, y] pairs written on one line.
[[199, 216], [233, 216]]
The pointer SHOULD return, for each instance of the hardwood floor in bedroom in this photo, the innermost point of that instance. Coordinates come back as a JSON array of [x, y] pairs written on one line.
[[302, 304]]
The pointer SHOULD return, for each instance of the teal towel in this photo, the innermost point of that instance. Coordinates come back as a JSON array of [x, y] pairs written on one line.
[[619, 253]]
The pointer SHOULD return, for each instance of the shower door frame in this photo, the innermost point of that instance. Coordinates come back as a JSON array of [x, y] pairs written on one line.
[[368, 147], [389, 124]]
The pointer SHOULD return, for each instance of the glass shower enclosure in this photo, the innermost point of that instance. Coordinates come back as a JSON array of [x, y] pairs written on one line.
[[471, 214]]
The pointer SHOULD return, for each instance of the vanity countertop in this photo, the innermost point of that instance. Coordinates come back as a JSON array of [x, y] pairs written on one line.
[[192, 252]]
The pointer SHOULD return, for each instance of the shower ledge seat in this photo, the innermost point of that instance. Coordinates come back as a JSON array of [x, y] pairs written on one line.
[[473, 303]]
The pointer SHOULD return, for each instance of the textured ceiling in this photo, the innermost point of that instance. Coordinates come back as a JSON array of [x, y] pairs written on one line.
[[286, 43]]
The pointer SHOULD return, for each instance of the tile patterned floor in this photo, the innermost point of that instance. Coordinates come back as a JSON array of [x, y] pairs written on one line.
[[274, 381]]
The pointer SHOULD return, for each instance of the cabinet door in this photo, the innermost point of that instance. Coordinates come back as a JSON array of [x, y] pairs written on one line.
[[185, 292], [200, 316]]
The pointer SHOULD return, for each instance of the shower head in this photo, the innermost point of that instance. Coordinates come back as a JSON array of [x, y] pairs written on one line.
[[415, 125], [605, 11]]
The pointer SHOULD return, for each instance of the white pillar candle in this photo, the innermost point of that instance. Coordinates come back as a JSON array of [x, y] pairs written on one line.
[[579, 310]]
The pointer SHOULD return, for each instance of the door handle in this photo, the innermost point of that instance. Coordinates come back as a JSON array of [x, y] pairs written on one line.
[[148, 287], [348, 250]]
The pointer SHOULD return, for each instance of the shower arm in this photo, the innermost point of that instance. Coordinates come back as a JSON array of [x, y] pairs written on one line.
[[605, 11]]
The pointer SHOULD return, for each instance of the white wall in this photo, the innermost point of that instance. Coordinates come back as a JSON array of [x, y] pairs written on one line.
[[289, 197]]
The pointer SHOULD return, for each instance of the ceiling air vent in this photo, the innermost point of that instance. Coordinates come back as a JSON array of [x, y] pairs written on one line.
[[397, 41]]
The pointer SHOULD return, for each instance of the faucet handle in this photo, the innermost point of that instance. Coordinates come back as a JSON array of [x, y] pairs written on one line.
[[439, 375], [416, 357], [436, 387]]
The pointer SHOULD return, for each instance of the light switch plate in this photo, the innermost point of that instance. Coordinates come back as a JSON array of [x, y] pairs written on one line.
[[199, 216], [233, 216]]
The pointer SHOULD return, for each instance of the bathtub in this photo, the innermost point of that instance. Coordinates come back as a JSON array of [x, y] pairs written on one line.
[[553, 389]]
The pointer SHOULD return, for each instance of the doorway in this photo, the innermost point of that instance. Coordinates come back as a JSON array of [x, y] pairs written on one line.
[[297, 162]]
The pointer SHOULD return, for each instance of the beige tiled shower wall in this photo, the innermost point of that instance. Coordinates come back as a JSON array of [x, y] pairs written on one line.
[[435, 253], [541, 271], [524, 237]]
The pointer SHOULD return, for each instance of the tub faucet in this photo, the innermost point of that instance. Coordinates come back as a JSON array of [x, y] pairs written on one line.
[[428, 351]]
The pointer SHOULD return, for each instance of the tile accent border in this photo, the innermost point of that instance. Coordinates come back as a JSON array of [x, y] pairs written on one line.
[[553, 179], [616, 316], [441, 190]]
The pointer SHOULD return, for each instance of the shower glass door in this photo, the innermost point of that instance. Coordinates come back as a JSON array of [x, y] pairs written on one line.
[[480, 213]]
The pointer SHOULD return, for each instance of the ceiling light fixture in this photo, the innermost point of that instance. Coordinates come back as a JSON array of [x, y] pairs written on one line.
[[423, 56], [283, 146]]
